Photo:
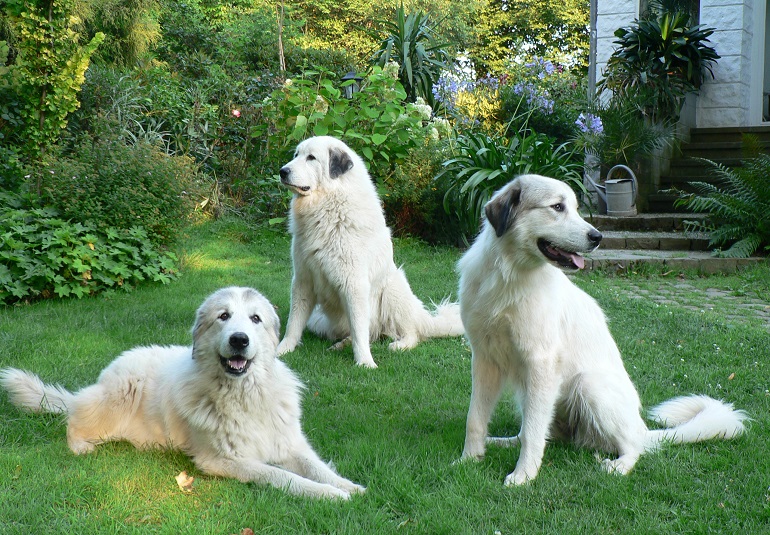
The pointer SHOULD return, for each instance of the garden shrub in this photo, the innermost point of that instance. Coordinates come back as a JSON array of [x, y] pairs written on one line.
[[540, 96], [12, 170], [664, 55], [376, 123], [616, 132], [471, 104], [545, 96], [108, 183], [44, 256], [411, 42], [413, 199], [483, 163], [189, 40]]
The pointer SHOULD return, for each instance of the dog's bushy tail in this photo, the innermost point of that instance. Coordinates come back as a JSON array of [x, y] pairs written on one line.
[[444, 321], [27, 391], [694, 419]]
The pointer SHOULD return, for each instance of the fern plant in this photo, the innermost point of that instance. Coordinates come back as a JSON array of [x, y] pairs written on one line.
[[738, 205]]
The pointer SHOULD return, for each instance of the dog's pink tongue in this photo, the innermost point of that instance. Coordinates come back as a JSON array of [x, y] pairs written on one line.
[[578, 260]]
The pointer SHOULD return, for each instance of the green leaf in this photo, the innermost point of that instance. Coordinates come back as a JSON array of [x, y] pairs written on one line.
[[379, 139]]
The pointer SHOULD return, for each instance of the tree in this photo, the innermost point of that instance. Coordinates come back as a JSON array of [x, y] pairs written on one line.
[[352, 24], [557, 31], [49, 68], [131, 28]]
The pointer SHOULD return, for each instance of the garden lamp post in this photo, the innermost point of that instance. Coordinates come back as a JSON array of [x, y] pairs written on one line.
[[354, 87]]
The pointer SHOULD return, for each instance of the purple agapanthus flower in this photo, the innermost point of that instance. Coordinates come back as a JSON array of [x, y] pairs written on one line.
[[589, 123]]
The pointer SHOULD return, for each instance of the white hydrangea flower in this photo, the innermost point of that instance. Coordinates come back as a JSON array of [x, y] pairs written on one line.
[[321, 105], [391, 69]]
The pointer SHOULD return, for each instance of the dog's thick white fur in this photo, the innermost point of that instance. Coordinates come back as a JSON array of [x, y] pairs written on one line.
[[226, 401], [530, 326], [345, 283]]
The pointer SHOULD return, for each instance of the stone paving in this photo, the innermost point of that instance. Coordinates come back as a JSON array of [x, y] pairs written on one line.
[[733, 307]]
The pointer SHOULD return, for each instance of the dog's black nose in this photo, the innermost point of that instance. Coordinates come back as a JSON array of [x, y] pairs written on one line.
[[595, 236], [239, 340], [284, 172]]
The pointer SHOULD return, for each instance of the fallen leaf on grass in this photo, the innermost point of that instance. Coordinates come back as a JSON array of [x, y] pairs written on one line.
[[731, 377], [184, 481], [246, 531]]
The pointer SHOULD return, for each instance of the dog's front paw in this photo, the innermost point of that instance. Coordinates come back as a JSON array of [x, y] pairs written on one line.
[[336, 494], [285, 347], [402, 344], [467, 458], [81, 447], [352, 488], [617, 466], [366, 362], [518, 478], [342, 344]]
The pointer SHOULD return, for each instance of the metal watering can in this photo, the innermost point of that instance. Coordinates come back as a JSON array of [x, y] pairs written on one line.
[[617, 197]]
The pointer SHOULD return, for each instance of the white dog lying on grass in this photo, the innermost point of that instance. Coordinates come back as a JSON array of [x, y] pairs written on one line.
[[226, 401]]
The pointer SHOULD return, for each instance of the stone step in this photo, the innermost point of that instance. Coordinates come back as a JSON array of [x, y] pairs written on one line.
[[657, 222], [701, 261], [689, 167], [719, 150], [705, 135], [665, 202], [665, 241]]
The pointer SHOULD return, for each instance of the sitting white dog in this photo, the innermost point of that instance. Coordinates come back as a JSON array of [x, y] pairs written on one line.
[[530, 326], [343, 259]]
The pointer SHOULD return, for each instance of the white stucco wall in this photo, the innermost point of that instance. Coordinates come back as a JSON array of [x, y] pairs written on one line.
[[725, 100], [611, 15], [733, 98]]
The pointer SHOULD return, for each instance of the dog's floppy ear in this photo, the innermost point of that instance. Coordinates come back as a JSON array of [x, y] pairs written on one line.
[[501, 210], [201, 325], [340, 162]]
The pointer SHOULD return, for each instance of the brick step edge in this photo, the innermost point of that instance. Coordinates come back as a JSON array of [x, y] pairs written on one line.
[[667, 241], [701, 261], [663, 222]]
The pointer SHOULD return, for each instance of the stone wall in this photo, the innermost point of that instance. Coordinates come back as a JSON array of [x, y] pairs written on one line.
[[724, 101], [611, 15]]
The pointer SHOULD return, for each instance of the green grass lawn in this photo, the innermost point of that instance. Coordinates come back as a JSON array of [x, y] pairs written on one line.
[[396, 429]]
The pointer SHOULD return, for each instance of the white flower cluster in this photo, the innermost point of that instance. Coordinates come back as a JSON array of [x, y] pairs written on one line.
[[423, 109], [391, 69], [321, 105]]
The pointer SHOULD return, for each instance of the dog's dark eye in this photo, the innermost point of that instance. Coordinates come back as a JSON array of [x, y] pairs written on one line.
[[224, 316], [310, 157], [559, 207], [256, 319]]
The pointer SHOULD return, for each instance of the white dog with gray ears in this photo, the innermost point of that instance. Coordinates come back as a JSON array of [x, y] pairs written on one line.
[[346, 285], [530, 326]]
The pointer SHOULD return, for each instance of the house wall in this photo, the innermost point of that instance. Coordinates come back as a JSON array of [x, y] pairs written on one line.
[[734, 96], [725, 100], [611, 15]]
